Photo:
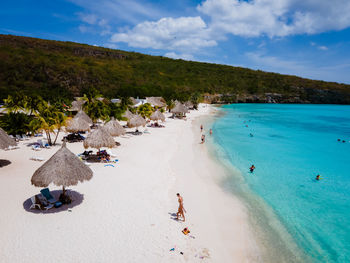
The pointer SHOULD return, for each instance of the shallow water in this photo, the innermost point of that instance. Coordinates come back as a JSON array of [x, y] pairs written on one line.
[[289, 146]]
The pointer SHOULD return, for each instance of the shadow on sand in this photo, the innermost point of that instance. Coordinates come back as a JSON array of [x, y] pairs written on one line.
[[77, 199], [4, 162]]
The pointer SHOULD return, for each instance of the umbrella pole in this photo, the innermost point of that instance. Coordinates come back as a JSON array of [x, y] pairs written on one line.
[[64, 191]]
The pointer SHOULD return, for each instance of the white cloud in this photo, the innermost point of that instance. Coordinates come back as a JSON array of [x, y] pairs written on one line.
[[88, 18], [183, 33], [323, 48], [276, 17], [179, 56]]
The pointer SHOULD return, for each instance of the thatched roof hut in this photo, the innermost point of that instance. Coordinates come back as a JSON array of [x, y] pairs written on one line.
[[179, 109], [156, 101], [189, 104], [84, 116], [114, 128], [62, 169], [136, 121], [77, 124], [99, 138], [77, 105], [5, 140], [128, 115], [157, 115]]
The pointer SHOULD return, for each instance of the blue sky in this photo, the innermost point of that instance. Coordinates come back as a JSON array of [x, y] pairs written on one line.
[[308, 38]]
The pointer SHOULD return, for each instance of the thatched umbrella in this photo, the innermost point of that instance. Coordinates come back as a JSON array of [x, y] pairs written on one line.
[[83, 115], [99, 138], [136, 121], [157, 115], [156, 101], [128, 115], [189, 104], [77, 124], [179, 108], [114, 128], [5, 140], [62, 169], [77, 105]]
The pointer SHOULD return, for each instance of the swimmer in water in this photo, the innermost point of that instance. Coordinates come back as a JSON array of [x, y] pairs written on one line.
[[252, 168], [251, 135], [211, 132], [318, 177]]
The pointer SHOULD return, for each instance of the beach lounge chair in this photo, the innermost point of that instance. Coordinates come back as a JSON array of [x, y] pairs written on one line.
[[34, 204], [46, 193], [40, 202]]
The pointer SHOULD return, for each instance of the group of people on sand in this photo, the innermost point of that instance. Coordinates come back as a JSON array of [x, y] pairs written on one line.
[[203, 135]]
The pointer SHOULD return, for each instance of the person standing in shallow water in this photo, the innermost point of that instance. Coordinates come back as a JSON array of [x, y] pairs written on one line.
[[203, 138], [180, 211], [211, 132], [201, 127]]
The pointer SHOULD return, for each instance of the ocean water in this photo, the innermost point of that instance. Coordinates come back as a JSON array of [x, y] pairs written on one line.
[[289, 146]]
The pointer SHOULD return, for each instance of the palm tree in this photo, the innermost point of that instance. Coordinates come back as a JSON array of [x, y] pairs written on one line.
[[48, 119], [170, 104], [145, 110]]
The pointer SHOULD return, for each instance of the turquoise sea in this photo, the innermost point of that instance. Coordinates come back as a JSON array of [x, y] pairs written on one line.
[[289, 145]]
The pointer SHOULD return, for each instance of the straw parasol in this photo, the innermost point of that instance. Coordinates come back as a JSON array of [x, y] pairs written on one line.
[[5, 140], [156, 101], [77, 105], [179, 108], [99, 138], [189, 104], [128, 115], [136, 121], [157, 115], [114, 128], [62, 169], [84, 116], [77, 124]]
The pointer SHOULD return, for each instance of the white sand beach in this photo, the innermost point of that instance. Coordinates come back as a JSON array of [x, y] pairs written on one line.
[[127, 211]]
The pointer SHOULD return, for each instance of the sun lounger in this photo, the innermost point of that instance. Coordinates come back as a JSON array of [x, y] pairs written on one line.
[[46, 193], [12, 148], [34, 204], [40, 202], [40, 159], [36, 147]]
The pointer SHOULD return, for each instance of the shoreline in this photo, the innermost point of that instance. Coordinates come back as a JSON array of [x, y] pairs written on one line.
[[221, 219], [276, 244], [127, 211]]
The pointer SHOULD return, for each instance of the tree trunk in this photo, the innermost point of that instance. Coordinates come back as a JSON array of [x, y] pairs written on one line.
[[58, 132], [48, 137]]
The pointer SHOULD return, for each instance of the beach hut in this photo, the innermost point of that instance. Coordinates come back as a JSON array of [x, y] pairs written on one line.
[[128, 115], [99, 138], [136, 121], [77, 105], [77, 124], [5, 140], [84, 116], [157, 115], [114, 128], [62, 169]]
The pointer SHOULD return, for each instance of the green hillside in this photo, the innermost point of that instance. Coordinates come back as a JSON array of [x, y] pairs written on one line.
[[55, 69]]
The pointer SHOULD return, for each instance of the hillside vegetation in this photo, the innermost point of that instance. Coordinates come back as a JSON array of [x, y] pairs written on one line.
[[55, 69]]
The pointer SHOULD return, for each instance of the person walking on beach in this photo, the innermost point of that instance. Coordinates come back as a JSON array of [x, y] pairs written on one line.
[[203, 138], [181, 210], [201, 127], [211, 132]]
